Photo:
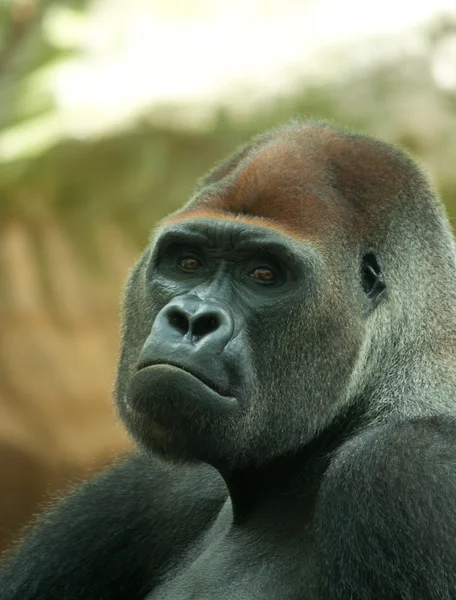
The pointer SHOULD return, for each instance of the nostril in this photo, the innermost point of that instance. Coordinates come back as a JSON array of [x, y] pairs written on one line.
[[178, 321], [205, 324]]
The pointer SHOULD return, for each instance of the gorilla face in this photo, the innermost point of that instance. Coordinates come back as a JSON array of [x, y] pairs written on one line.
[[236, 348], [252, 322]]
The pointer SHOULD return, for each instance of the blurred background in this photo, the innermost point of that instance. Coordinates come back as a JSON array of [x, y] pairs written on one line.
[[109, 112]]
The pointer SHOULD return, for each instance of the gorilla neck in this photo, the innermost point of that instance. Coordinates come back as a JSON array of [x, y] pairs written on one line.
[[289, 482], [280, 483]]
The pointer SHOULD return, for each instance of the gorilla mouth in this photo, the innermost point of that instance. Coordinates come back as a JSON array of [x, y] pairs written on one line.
[[212, 385]]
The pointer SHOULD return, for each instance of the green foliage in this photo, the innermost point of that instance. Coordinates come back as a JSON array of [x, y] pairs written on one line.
[[134, 177], [25, 50]]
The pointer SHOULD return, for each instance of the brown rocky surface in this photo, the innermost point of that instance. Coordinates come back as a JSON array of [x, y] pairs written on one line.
[[58, 346]]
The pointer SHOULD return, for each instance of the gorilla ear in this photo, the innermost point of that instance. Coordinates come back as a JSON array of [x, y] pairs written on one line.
[[372, 278]]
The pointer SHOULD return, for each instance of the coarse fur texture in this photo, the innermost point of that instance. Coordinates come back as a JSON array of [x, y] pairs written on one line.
[[288, 372]]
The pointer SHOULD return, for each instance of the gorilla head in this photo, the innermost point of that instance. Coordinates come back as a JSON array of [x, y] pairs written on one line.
[[290, 290]]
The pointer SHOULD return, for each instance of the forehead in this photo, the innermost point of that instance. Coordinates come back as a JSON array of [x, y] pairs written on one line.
[[276, 185], [308, 182]]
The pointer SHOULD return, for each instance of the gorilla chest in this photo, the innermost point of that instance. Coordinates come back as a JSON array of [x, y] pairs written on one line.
[[256, 572]]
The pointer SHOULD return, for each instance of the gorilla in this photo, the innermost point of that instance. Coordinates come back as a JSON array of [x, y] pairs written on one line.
[[288, 371]]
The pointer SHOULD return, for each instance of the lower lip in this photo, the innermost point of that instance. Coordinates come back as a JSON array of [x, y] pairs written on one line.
[[188, 372], [188, 383]]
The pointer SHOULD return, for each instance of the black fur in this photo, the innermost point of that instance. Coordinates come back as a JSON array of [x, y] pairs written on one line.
[[288, 371]]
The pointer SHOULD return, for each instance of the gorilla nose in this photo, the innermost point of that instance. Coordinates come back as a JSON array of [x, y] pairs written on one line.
[[199, 325], [198, 321]]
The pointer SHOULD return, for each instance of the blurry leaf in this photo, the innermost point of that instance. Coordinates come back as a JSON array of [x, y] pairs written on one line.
[[30, 138]]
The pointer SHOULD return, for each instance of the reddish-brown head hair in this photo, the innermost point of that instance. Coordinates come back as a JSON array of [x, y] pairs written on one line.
[[307, 180]]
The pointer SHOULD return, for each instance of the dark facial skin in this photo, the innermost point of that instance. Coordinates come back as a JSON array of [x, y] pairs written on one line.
[[222, 290]]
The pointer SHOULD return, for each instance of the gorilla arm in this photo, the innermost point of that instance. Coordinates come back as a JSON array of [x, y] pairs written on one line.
[[386, 514], [385, 524], [110, 537]]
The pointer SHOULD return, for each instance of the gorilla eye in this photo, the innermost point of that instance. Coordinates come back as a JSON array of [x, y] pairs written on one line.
[[372, 277], [189, 263], [264, 274]]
